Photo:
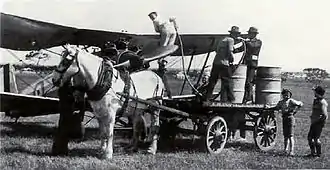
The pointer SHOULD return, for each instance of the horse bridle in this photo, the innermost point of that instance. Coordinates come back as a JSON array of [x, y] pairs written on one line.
[[67, 61]]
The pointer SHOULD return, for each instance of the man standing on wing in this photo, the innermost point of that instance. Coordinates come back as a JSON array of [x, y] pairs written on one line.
[[221, 68], [166, 29]]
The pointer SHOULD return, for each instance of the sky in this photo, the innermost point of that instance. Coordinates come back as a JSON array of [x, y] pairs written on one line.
[[295, 33]]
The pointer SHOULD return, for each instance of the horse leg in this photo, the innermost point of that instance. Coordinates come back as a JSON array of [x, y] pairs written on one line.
[[138, 124], [102, 133], [154, 129]]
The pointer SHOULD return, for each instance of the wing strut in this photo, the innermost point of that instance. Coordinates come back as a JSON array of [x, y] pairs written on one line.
[[189, 66], [207, 58]]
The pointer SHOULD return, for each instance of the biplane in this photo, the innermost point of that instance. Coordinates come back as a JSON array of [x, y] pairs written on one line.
[[24, 34], [209, 119]]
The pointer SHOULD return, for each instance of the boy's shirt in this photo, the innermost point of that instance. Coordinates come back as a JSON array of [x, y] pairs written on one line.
[[287, 106], [161, 25], [319, 111]]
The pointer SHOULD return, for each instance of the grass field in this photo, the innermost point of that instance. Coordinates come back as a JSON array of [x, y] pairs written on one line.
[[27, 145]]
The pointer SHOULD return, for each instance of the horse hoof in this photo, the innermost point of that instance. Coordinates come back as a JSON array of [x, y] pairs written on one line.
[[59, 153], [107, 156]]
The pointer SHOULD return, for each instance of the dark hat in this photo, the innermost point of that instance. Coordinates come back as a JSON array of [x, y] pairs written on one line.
[[152, 13], [121, 43], [286, 91], [253, 30], [319, 90], [109, 46], [234, 29], [162, 61]]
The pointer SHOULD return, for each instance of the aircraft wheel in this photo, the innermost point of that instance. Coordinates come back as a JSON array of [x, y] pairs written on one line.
[[216, 135]]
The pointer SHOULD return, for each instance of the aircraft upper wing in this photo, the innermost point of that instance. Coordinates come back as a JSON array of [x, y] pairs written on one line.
[[20, 33], [27, 105]]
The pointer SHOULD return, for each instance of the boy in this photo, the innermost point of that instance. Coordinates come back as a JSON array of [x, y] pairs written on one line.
[[288, 108], [167, 29], [318, 120]]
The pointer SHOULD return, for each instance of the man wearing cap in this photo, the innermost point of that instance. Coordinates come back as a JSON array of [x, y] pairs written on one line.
[[165, 28], [201, 87], [253, 46], [318, 119], [222, 67]]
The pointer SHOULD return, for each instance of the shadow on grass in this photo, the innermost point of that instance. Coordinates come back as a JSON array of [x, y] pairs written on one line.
[[181, 144], [20, 149], [26, 129], [199, 146], [77, 152], [242, 146], [32, 130]]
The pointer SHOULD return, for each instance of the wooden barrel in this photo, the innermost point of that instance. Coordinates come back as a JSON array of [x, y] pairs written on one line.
[[268, 85], [238, 78]]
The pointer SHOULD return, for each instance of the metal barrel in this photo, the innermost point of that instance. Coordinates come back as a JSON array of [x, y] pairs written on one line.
[[268, 85], [238, 79]]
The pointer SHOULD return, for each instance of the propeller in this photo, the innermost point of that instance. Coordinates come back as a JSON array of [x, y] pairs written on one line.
[[159, 53]]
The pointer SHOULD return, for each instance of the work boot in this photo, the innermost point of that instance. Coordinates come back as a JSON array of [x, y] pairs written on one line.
[[318, 149], [153, 147], [312, 147]]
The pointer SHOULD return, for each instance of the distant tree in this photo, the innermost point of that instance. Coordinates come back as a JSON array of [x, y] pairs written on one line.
[[284, 76], [315, 74]]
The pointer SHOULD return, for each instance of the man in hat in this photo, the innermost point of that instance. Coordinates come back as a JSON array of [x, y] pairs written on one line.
[[222, 66], [124, 54], [167, 29], [253, 46], [161, 72], [318, 119], [109, 52], [201, 87]]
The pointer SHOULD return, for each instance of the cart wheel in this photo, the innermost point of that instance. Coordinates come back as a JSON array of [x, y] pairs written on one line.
[[216, 136], [265, 132]]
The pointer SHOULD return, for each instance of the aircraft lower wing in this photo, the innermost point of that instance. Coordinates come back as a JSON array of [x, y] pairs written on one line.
[[20, 105], [20, 33]]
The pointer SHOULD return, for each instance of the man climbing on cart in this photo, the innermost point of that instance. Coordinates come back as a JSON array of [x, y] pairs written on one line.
[[222, 67], [253, 46], [161, 73]]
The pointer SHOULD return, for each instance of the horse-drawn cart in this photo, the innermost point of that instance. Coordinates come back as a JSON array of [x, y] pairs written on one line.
[[210, 120]]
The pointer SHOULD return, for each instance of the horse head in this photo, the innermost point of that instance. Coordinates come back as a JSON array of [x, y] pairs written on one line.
[[68, 66]]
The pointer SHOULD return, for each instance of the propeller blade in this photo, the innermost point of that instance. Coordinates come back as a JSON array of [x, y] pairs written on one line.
[[160, 52], [124, 64]]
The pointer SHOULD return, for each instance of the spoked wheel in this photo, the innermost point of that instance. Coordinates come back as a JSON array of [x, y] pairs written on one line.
[[216, 136], [265, 130]]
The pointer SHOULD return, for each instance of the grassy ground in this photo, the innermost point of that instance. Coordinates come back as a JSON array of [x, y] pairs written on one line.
[[27, 145]]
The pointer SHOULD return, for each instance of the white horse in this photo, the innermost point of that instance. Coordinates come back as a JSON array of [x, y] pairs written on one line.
[[84, 67]]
